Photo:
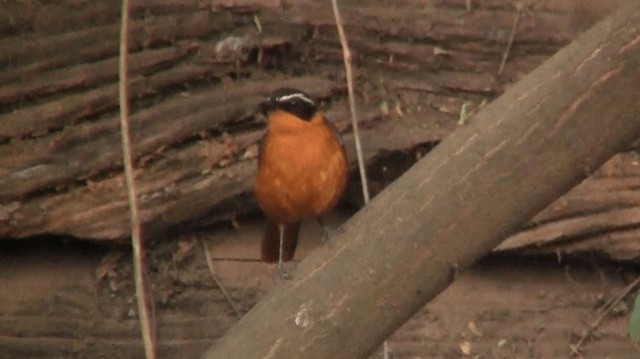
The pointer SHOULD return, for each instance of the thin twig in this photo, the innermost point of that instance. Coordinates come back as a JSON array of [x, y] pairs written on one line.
[[148, 333], [212, 271], [614, 301], [575, 349], [511, 37], [346, 54]]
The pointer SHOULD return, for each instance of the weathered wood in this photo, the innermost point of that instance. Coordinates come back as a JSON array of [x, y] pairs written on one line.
[[88, 75], [540, 138], [60, 168], [599, 217], [44, 118], [44, 50]]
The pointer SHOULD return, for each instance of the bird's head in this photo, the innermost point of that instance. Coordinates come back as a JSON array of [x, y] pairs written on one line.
[[292, 101]]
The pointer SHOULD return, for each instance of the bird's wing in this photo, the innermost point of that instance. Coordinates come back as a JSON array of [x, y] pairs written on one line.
[[335, 132]]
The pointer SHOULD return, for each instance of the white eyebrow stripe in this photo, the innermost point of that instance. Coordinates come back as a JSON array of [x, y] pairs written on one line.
[[295, 95]]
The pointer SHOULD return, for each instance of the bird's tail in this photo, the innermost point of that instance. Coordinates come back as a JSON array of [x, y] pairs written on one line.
[[271, 242]]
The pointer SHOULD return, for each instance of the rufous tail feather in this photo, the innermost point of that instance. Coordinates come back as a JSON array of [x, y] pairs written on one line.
[[271, 242]]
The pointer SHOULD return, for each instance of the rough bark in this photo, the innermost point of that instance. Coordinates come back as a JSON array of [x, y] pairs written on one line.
[[60, 170], [535, 142]]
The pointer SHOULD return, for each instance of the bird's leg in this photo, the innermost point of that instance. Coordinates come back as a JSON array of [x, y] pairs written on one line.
[[325, 231], [281, 272]]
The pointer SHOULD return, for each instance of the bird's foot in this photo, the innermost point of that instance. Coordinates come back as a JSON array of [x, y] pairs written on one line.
[[325, 232], [283, 273]]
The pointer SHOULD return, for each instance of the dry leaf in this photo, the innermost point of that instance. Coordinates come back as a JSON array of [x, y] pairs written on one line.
[[465, 347]]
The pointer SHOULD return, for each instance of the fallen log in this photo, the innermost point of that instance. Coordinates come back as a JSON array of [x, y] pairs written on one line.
[[193, 115]]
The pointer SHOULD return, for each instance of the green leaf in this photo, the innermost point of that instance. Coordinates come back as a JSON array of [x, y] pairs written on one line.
[[384, 108], [634, 321], [464, 114]]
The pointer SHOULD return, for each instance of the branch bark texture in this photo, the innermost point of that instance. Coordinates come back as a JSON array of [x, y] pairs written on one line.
[[539, 139]]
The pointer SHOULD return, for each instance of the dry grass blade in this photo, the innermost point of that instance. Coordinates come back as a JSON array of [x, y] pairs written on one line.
[[212, 271], [512, 35], [606, 310], [346, 53], [136, 231]]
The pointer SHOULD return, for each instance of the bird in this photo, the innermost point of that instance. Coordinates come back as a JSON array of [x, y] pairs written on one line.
[[302, 171]]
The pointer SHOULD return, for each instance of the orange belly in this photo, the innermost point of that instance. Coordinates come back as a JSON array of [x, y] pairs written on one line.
[[302, 171]]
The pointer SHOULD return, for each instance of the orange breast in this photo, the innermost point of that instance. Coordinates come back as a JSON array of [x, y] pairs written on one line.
[[302, 171]]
